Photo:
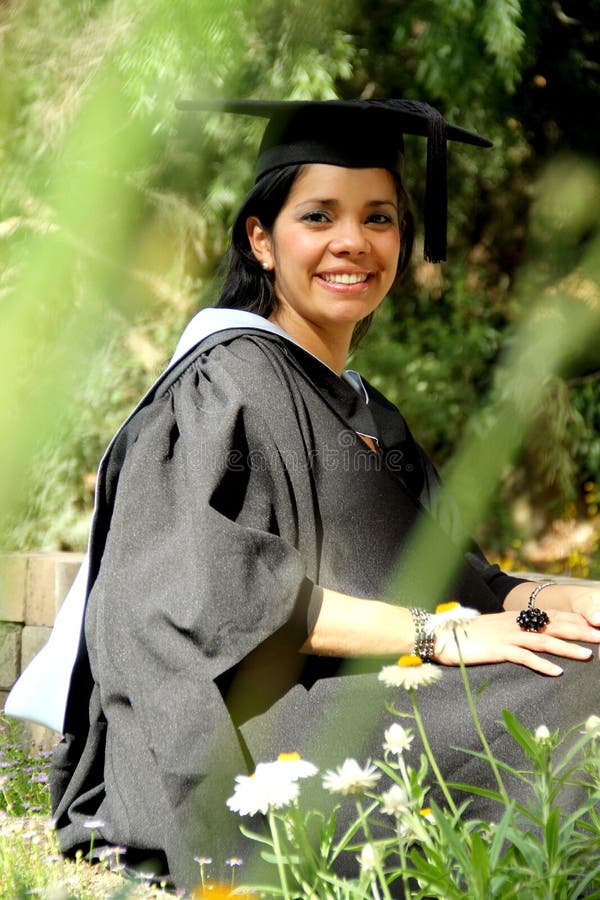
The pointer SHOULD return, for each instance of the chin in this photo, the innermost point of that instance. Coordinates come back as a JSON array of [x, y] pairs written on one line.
[[354, 312]]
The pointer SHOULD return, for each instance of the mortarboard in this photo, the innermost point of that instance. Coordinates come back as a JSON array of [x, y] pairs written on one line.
[[357, 134]]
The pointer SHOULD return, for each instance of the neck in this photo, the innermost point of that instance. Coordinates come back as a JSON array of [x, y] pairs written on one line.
[[331, 346]]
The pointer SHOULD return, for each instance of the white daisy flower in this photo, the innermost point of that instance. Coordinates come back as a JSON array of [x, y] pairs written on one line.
[[350, 778], [93, 824], [542, 734], [592, 724], [272, 786], [395, 802], [449, 616], [397, 739], [288, 766], [367, 858], [410, 672], [261, 792]]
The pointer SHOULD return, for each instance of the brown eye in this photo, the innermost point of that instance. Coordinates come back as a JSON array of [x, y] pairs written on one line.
[[380, 219], [315, 218]]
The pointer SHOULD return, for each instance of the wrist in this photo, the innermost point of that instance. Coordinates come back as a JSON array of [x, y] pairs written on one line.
[[424, 642], [518, 597]]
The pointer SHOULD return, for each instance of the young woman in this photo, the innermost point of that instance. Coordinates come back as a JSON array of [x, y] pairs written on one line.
[[250, 514]]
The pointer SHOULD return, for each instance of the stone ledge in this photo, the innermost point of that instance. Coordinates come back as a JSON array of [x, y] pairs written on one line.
[[32, 589], [559, 579], [13, 575], [10, 654], [49, 577]]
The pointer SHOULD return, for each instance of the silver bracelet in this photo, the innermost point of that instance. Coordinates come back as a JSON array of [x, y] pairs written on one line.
[[539, 587], [532, 618], [424, 638]]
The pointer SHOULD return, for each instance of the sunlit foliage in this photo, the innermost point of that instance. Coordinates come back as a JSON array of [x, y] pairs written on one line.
[[114, 210]]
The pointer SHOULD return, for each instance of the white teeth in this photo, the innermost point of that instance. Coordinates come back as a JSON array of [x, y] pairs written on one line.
[[344, 278]]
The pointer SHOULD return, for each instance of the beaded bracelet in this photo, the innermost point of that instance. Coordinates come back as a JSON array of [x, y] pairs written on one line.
[[424, 637]]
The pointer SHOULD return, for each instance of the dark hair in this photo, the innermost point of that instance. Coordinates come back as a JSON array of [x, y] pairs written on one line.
[[247, 285]]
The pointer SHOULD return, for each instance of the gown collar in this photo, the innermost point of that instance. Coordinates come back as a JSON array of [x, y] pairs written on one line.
[[211, 320], [348, 392]]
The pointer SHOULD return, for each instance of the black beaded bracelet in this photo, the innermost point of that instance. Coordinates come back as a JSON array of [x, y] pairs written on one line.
[[424, 637]]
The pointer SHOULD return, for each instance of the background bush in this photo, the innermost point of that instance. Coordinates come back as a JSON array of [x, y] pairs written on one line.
[[115, 210]]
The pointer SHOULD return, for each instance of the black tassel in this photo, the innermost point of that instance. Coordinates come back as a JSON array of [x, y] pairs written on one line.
[[436, 188]]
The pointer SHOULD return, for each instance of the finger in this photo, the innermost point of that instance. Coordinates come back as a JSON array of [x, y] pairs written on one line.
[[588, 605], [524, 657], [546, 643], [572, 627]]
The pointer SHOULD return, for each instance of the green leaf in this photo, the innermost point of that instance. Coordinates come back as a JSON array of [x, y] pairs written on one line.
[[521, 735], [434, 878], [260, 838], [552, 834], [591, 877], [475, 789], [480, 867], [501, 833], [521, 774]]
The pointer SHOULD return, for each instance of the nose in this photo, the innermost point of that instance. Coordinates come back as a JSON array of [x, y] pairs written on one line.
[[350, 239]]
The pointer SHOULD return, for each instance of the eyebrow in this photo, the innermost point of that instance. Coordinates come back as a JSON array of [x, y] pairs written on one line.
[[316, 201]]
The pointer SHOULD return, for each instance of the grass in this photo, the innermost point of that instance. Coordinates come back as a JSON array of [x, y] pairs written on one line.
[[30, 862]]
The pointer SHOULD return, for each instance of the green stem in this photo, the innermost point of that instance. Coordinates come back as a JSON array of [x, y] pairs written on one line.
[[279, 857], [9, 807], [402, 854], [429, 752], [545, 800], [475, 717], [369, 837]]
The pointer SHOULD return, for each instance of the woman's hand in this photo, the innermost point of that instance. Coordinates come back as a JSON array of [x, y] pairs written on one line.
[[586, 602], [350, 626], [496, 637]]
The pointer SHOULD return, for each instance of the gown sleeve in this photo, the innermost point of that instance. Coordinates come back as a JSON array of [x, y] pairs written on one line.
[[204, 566], [221, 552]]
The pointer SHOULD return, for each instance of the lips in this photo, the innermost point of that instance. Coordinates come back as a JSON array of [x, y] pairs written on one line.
[[344, 277]]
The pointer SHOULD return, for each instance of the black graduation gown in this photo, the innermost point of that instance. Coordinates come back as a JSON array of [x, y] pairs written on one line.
[[238, 489]]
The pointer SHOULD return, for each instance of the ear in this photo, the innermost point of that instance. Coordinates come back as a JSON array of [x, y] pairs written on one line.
[[260, 242]]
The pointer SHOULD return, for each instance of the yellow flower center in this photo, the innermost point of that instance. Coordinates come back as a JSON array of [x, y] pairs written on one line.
[[447, 607], [288, 757], [214, 891], [426, 811], [409, 660]]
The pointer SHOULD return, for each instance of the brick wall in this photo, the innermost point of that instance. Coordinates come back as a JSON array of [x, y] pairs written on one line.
[[32, 588]]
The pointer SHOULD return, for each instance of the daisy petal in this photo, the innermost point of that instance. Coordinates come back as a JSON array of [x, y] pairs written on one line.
[[351, 778]]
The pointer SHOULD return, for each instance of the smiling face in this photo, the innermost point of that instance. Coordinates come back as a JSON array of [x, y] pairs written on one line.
[[334, 251]]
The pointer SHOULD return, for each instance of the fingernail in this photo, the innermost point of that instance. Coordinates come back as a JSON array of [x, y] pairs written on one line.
[[557, 670]]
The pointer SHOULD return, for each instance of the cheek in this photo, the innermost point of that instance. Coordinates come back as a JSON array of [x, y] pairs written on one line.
[[298, 248], [306, 249], [389, 250]]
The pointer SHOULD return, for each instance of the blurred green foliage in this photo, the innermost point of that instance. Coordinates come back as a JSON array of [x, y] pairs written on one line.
[[115, 208]]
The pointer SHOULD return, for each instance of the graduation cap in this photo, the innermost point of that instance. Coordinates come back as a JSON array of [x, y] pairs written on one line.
[[356, 134]]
